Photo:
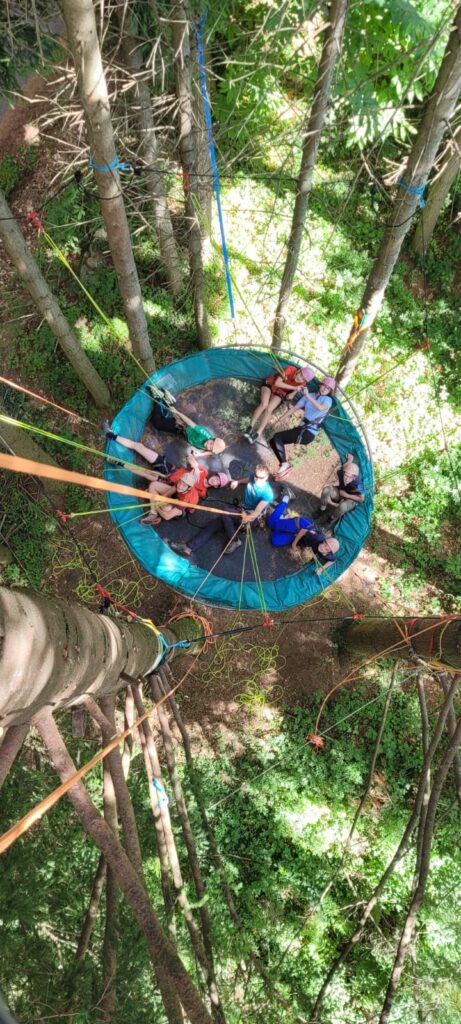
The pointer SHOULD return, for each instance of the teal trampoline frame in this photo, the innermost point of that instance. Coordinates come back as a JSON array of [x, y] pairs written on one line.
[[158, 558]]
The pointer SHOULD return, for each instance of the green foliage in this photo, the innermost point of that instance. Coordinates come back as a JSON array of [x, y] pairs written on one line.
[[15, 167]]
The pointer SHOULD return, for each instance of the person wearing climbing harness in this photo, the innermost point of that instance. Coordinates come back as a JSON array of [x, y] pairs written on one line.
[[275, 389], [347, 493], [188, 483], [258, 495], [300, 532], [311, 409], [165, 417]]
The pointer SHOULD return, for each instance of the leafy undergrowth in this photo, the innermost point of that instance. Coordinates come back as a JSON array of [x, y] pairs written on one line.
[[280, 813]]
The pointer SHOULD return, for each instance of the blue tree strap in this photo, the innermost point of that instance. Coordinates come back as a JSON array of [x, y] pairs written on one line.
[[214, 167], [419, 191], [161, 795], [115, 165]]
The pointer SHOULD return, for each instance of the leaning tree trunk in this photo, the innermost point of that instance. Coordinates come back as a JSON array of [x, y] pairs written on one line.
[[439, 638], [187, 149], [141, 106], [440, 188], [202, 149], [32, 278], [17, 441], [439, 111], [83, 39], [331, 49], [53, 652]]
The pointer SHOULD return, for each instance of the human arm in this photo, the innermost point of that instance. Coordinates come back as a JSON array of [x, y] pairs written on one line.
[[236, 483], [352, 497], [297, 538], [249, 517], [281, 383], [318, 404]]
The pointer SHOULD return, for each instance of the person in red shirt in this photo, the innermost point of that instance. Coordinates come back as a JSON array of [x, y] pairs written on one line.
[[276, 389], [189, 484]]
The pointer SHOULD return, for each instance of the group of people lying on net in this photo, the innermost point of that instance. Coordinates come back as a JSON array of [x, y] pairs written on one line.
[[190, 484]]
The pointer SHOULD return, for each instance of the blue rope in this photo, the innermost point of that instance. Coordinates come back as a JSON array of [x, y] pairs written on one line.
[[419, 191], [214, 167], [115, 165], [162, 797]]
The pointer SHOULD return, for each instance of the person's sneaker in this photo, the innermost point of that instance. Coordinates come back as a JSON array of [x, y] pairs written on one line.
[[181, 549], [161, 394], [283, 469], [150, 520], [233, 547], [106, 431], [251, 435], [285, 494]]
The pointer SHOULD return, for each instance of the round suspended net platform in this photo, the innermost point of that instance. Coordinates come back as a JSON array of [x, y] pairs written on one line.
[[219, 389]]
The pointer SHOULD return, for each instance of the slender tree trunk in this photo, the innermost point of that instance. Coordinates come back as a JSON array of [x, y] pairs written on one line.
[[148, 151], [204, 176], [330, 52], [451, 726], [181, 46], [369, 636], [161, 950], [93, 907], [438, 193], [83, 39], [183, 815], [439, 111], [11, 745], [53, 652], [110, 943], [427, 829], [402, 848], [32, 279]]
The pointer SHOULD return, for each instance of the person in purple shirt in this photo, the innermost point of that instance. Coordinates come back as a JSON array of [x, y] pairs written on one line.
[[311, 409]]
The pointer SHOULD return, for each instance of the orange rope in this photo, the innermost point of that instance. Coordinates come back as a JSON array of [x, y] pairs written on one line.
[[17, 465], [36, 813], [47, 401], [353, 673]]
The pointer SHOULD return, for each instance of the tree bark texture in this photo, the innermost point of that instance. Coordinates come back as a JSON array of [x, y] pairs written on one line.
[[181, 47], [160, 948], [148, 151], [330, 52], [439, 111], [53, 652], [11, 745], [93, 907], [33, 280], [438, 193], [80, 22], [19, 442], [370, 636], [427, 829], [204, 173]]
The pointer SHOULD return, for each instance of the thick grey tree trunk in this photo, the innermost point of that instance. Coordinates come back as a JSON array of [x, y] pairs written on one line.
[[181, 49], [19, 442], [439, 111], [438, 638], [439, 190], [148, 151], [330, 52], [52, 652], [80, 22], [32, 279]]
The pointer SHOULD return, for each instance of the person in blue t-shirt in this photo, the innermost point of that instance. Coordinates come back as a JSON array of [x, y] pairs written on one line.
[[300, 532], [311, 409], [347, 493], [258, 495]]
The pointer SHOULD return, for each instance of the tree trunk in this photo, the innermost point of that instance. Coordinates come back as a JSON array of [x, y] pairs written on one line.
[[371, 635], [148, 151], [331, 49], [11, 745], [427, 830], [53, 652], [187, 149], [439, 190], [19, 442], [32, 279], [93, 907], [162, 952], [439, 111], [204, 173], [83, 39], [110, 942]]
